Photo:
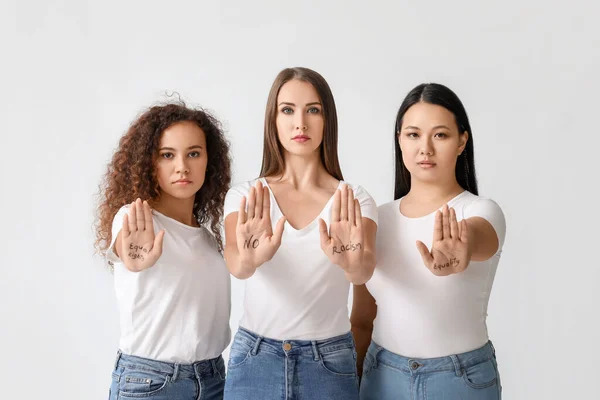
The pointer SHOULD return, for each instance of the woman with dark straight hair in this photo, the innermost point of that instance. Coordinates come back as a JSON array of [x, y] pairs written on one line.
[[299, 235], [420, 322]]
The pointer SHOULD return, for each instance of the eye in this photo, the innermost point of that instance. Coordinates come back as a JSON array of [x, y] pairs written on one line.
[[412, 135], [441, 135], [313, 110], [167, 155], [287, 110], [194, 154]]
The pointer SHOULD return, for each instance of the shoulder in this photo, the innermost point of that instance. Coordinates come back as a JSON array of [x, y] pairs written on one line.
[[359, 191], [388, 208], [473, 205]]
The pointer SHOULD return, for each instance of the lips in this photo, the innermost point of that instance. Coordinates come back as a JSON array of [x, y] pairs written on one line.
[[300, 138], [182, 182], [426, 164]]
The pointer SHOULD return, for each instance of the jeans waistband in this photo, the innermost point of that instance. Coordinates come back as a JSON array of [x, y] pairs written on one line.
[[456, 362], [175, 370], [294, 347]]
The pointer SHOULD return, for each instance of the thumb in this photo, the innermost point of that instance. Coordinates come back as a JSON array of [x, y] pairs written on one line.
[[324, 234], [425, 254], [158, 242]]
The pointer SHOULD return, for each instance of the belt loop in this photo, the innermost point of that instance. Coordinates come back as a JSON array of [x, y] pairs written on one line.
[[456, 362], [315, 350], [256, 345], [117, 359], [175, 372]]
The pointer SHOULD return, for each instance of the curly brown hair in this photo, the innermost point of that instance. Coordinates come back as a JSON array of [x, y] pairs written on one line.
[[132, 174]]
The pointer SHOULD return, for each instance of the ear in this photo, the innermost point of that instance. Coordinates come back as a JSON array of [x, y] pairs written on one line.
[[462, 142]]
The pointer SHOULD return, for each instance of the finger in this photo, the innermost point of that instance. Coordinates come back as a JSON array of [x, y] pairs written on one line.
[[323, 233], [344, 204], [242, 213], [148, 223], [335, 209], [425, 254], [266, 208], [133, 218], [258, 207], [279, 230], [158, 243], [351, 216], [464, 231], [445, 222], [125, 227], [251, 202], [437, 227], [453, 225], [358, 213]]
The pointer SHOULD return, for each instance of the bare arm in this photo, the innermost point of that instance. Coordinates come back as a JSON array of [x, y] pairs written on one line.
[[364, 310], [482, 238]]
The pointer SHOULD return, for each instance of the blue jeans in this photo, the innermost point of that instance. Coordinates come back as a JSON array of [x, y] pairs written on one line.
[[136, 378], [468, 376], [267, 369]]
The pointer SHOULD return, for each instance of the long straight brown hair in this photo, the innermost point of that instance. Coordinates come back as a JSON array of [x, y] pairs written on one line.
[[273, 162]]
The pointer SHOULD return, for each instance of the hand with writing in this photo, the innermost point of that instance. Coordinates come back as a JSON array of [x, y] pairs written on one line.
[[450, 253], [256, 241], [344, 243], [140, 248]]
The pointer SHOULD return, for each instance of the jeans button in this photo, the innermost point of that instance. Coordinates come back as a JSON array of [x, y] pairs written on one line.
[[287, 346], [414, 365]]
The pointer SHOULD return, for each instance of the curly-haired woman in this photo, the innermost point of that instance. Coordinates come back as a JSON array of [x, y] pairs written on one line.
[[164, 187]]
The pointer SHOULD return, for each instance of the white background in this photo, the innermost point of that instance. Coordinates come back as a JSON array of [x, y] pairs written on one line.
[[74, 74]]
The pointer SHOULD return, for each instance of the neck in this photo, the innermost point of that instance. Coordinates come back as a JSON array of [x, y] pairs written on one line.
[[304, 171], [434, 191], [178, 209]]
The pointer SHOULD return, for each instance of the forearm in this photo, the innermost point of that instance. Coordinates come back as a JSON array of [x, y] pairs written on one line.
[[362, 339]]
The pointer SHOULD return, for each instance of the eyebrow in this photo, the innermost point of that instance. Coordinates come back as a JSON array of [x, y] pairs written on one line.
[[314, 103], [435, 127], [172, 149]]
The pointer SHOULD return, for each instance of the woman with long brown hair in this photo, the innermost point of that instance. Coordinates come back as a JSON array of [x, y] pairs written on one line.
[[165, 185], [299, 235]]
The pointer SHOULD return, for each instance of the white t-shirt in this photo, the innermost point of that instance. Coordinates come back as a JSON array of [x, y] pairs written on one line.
[[299, 294], [422, 315], [178, 309]]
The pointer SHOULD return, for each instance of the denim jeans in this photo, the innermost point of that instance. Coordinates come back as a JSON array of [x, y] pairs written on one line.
[[137, 378], [468, 376], [266, 369]]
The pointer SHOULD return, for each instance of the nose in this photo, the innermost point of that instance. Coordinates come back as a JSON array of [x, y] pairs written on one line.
[[426, 147], [182, 165], [300, 122]]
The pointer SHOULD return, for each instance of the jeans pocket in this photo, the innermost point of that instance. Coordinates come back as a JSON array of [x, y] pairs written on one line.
[[339, 362], [481, 375], [238, 354], [140, 383]]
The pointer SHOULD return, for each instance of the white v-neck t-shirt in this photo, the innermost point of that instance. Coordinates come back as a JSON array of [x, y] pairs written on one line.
[[177, 310], [299, 294], [422, 315]]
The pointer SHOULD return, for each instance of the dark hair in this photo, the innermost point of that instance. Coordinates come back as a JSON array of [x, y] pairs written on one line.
[[434, 93], [132, 173], [273, 162]]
